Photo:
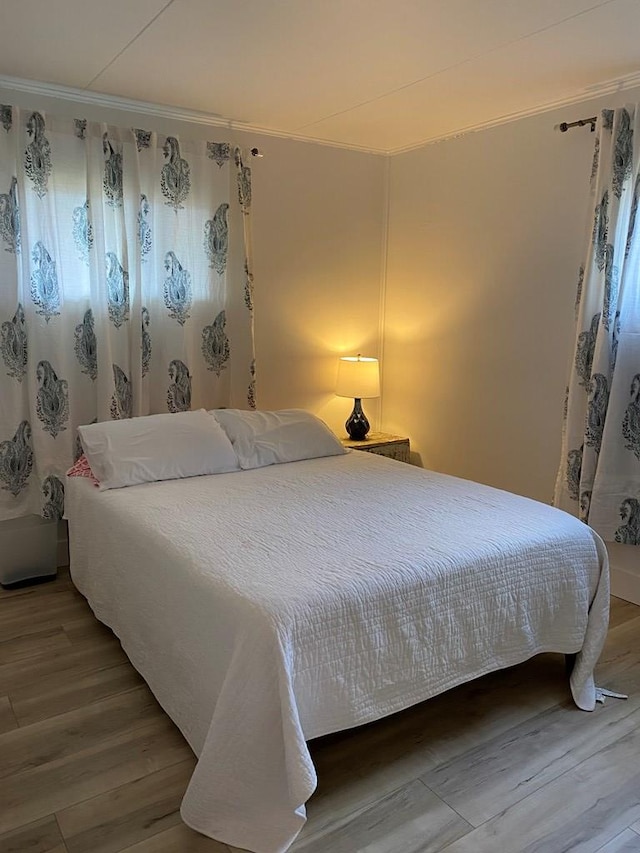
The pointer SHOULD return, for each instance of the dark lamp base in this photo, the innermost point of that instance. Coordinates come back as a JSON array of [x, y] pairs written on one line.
[[357, 425]]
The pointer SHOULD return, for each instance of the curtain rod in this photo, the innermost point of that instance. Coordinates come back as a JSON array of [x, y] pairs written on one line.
[[564, 127]]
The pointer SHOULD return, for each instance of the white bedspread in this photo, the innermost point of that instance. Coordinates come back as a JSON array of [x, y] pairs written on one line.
[[265, 608]]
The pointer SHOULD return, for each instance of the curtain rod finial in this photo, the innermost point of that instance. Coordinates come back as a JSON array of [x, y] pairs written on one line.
[[581, 122]]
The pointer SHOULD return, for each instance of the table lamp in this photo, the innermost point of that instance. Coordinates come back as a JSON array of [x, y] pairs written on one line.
[[358, 377]]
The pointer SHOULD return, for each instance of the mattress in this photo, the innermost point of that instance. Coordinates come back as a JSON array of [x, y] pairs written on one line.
[[265, 608]]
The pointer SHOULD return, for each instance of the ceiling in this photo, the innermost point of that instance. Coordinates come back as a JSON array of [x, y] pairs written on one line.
[[379, 75]]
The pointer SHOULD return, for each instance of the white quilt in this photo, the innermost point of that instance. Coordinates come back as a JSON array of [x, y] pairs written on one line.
[[268, 607]]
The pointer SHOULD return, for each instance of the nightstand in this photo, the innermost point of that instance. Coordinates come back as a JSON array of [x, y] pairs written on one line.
[[383, 444]]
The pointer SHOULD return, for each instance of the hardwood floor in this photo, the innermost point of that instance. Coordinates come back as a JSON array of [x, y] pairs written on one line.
[[89, 763]]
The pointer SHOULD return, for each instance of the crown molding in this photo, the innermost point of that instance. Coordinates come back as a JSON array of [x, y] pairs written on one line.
[[84, 96], [164, 111], [171, 113], [590, 93]]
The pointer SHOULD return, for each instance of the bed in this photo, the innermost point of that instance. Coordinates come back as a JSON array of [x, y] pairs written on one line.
[[270, 606]]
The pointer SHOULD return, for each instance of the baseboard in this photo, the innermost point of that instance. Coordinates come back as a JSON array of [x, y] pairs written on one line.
[[625, 585], [63, 553], [624, 561], [63, 545]]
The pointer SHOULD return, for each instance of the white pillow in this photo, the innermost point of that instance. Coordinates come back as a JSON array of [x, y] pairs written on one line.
[[268, 438], [156, 447]]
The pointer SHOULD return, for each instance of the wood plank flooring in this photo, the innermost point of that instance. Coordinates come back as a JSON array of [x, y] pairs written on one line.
[[89, 763]]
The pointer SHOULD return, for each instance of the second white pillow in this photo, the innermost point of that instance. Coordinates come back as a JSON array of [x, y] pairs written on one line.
[[270, 438]]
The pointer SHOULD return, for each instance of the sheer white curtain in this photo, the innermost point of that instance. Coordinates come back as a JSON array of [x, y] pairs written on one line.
[[599, 476], [123, 289]]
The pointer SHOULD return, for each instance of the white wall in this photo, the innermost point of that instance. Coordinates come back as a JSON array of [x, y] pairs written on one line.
[[318, 236], [318, 223], [486, 237]]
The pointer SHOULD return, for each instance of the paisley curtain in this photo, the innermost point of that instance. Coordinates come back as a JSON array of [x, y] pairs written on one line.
[[599, 476], [125, 288]]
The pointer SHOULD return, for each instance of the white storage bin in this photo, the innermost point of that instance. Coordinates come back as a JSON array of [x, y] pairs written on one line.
[[28, 549]]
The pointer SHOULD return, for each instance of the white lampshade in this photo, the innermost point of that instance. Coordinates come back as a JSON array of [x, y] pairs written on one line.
[[358, 377]]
